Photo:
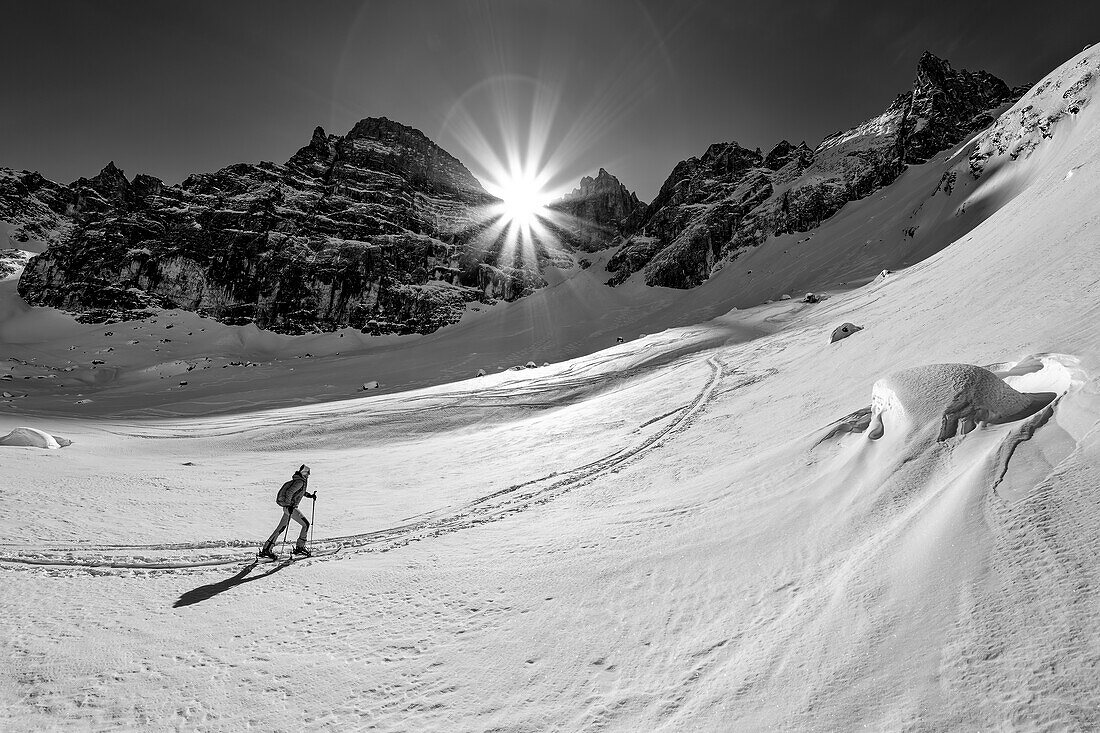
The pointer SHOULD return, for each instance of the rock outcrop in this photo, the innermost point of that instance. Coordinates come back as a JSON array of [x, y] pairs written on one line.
[[35, 207], [379, 229], [711, 208], [843, 331], [597, 213], [699, 209]]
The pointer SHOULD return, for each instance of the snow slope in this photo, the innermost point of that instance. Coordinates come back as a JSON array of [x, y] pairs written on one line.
[[693, 530]]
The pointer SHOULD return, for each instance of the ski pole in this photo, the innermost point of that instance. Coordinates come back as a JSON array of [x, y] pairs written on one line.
[[312, 518], [290, 514]]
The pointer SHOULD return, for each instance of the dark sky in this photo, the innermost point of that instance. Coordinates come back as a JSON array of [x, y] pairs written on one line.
[[170, 88]]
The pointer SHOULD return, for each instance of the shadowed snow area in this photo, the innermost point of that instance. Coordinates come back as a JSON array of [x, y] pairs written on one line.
[[734, 525]]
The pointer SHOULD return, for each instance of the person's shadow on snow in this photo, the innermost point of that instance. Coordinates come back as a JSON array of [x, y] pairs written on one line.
[[206, 592]]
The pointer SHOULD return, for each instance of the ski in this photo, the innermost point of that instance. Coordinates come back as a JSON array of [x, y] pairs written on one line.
[[296, 558]]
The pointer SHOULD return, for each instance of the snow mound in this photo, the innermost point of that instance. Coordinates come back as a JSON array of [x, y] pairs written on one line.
[[34, 438], [955, 398]]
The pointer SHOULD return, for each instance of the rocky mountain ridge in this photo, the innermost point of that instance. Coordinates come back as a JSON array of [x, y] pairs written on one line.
[[380, 230], [713, 207]]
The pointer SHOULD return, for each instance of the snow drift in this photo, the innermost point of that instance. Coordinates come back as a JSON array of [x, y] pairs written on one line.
[[34, 438], [951, 398]]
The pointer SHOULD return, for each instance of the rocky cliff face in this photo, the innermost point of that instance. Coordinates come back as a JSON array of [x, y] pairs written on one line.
[[379, 229], [700, 208], [713, 207], [35, 207], [598, 212]]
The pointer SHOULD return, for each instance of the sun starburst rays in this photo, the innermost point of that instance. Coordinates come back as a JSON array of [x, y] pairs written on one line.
[[506, 125]]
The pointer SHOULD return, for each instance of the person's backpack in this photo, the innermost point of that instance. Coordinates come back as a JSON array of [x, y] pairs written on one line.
[[286, 493]]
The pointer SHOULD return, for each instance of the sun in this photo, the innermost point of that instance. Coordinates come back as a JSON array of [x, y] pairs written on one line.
[[523, 199]]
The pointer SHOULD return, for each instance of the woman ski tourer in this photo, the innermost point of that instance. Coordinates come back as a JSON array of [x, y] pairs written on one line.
[[289, 495]]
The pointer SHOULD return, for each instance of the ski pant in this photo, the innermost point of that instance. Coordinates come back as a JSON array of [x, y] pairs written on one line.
[[289, 513]]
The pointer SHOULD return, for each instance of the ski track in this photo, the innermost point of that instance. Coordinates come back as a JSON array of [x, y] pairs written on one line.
[[574, 383], [489, 508]]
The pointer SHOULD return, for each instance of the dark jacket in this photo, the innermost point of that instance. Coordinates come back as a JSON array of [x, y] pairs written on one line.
[[293, 491]]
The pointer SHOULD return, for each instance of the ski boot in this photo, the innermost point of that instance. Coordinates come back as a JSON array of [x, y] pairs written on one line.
[[267, 554], [302, 551]]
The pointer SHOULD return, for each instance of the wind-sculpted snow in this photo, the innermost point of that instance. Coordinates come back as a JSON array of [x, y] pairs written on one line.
[[34, 438], [951, 399], [912, 520]]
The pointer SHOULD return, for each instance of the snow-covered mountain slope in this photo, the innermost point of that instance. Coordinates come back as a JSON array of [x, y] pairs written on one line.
[[679, 532]]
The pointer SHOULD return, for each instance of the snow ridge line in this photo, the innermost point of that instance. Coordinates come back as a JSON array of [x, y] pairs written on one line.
[[489, 508]]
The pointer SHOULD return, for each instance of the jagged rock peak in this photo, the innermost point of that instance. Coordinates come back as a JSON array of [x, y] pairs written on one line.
[[604, 182], [109, 184], [931, 63], [944, 106], [110, 175], [932, 71], [319, 137], [600, 210]]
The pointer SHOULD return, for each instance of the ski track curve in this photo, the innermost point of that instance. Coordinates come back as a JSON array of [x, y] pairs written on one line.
[[105, 558]]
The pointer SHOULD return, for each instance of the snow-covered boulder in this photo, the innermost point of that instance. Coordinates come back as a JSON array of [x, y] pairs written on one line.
[[843, 331], [369, 385], [480, 373], [952, 399], [34, 438]]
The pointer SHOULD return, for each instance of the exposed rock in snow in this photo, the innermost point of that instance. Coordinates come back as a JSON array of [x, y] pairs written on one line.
[[34, 438], [843, 331], [1059, 96], [12, 261]]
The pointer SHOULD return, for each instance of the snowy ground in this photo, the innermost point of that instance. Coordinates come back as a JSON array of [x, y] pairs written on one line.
[[692, 530]]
